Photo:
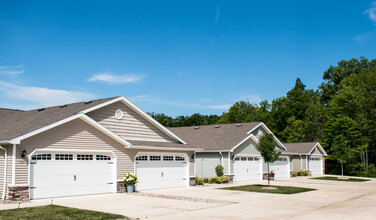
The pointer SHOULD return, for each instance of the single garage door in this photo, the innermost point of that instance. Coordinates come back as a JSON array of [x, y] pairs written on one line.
[[155, 171], [280, 168], [57, 174], [315, 166], [247, 169]]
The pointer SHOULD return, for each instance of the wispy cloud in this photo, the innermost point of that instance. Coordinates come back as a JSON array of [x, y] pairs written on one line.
[[371, 12], [35, 97], [253, 99], [111, 78], [364, 38], [11, 70], [220, 107], [217, 15]]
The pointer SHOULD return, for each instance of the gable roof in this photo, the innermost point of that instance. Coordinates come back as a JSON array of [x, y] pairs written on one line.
[[18, 123], [302, 148], [223, 137]]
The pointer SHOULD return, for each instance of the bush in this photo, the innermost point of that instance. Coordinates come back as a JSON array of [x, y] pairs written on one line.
[[199, 181], [219, 179], [206, 180], [294, 174], [303, 173], [130, 179], [371, 172], [219, 170]]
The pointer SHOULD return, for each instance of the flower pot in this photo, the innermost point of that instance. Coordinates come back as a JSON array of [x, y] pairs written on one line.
[[130, 188]]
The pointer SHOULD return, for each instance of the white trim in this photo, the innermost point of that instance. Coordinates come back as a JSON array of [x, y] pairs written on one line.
[[5, 142], [247, 155], [14, 157], [74, 150], [301, 162], [5, 171], [221, 158], [229, 163], [320, 148], [210, 151], [270, 132], [138, 110], [164, 148], [306, 163]]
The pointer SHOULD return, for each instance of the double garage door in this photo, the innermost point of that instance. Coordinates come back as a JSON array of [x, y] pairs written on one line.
[[247, 169], [157, 171], [57, 174]]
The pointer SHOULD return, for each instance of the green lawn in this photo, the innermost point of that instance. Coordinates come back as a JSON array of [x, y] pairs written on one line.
[[55, 212], [339, 179], [279, 190]]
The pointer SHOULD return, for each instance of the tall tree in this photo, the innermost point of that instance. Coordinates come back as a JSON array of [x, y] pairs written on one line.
[[341, 151], [266, 147]]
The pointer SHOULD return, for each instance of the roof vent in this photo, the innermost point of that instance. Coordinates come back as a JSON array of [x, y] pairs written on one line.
[[63, 106], [197, 127], [217, 126], [41, 109], [238, 125], [88, 102]]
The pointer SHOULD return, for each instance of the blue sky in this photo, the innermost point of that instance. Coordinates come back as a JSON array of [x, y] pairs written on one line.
[[174, 57]]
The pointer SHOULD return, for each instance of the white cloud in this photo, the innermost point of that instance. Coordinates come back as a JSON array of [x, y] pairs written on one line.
[[35, 97], [110, 78], [217, 14], [221, 107], [11, 70], [371, 12], [253, 99], [364, 38]]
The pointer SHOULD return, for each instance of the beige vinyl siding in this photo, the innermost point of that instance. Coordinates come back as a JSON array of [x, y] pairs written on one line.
[[131, 127], [76, 134], [304, 162], [296, 163]]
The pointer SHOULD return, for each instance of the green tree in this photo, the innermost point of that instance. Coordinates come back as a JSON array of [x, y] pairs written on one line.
[[266, 147], [341, 151]]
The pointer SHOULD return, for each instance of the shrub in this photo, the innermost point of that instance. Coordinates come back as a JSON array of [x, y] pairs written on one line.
[[303, 173], [199, 181], [294, 174], [371, 172], [219, 179], [206, 180], [130, 179], [219, 170]]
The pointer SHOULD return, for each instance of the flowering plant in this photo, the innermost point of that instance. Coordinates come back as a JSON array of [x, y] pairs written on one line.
[[271, 173], [130, 178]]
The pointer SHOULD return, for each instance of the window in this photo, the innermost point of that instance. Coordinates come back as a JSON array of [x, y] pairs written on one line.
[[155, 158], [168, 158], [250, 158], [177, 158], [256, 159], [84, 157], [237, 158], [41, 157], [243, 159], [141, 158], [103, 157], [63, 156]]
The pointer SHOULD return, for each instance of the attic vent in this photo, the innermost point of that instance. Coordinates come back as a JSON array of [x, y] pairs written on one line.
[[217, 126], [238, 125], [63, 106], [197, 127], [88, 102], [41, 109]]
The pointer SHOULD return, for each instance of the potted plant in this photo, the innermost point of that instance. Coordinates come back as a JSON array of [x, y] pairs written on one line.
[[271, 175], [129, 180]]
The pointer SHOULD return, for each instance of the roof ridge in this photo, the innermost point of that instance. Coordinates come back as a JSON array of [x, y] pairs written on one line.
[[192, 126], [11, 109]]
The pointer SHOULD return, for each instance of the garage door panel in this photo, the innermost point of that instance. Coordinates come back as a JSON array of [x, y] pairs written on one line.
[[315, 166], [247, 170], [280, 168]]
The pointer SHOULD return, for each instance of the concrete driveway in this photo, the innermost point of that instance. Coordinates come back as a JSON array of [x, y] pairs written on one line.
[[331, 200]]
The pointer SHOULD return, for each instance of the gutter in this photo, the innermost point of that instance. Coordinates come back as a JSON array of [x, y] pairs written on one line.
[[165, 148], [5, 171]]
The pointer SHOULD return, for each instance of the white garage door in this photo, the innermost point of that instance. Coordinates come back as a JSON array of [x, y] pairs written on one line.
[[280, 168], [315, 166], [57, 174], [247, 169], [155, 171]]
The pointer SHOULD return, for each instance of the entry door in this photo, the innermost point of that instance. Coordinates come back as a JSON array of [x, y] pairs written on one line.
[[280, 168], [161, 171], [247, 169], [70, 174], [315, 166]]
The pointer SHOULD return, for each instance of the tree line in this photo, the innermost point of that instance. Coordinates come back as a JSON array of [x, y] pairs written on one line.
[[340, 114]]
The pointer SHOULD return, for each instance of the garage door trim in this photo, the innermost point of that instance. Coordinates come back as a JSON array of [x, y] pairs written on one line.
[[261, 159], [55, 150]]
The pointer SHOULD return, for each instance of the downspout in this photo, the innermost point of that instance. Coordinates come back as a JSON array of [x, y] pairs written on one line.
[[14, 152], [229, 164], [222, 158], [5, 171], [306, 162], [301, 163]]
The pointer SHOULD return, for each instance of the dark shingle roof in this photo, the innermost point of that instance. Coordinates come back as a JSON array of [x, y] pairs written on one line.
[[212, 137], [160, 144], [15, 123], [299, 148]]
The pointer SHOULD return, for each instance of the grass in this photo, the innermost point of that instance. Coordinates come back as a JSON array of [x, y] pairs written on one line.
[[339, 179], [55, 212], [279, 190]]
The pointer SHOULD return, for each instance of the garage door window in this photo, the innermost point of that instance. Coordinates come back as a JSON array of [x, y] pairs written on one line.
[[256, 159], [84, 157], [155, 158], [41, 157], [142, 158], [63, 156], [103, 157], [243, 159], [168, 158], [177, 158], [237, 158]]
